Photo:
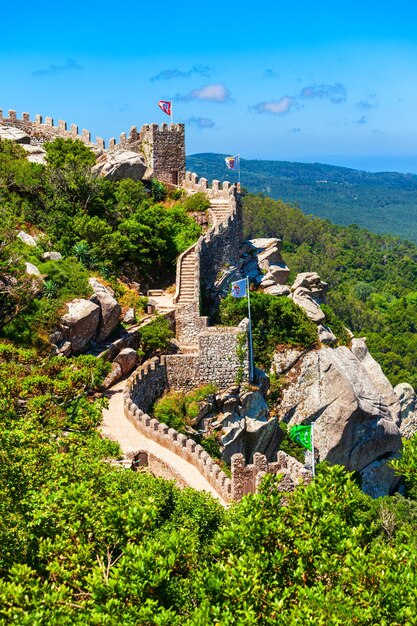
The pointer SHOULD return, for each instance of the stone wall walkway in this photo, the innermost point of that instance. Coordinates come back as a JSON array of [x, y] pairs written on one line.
[[117, 427]]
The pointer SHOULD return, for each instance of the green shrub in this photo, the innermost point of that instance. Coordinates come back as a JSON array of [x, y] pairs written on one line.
[[336, 326], [155, 335], [211, 445], [197, 202], [69, 277], [275, 320], [176, 194], [158, 190], [170, 410]]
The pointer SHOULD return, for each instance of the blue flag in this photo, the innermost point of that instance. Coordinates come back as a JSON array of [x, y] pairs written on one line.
[[239, 288]]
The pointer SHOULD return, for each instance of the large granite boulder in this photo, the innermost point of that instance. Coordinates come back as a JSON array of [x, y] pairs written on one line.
[[110, 309], [35, 154], [52, 256], [127, 359], [118, 164], [248, 428], [79, 325], [14, 134], [311, 282], [354, 408], [31, 269], [304, 299], [113, 376]]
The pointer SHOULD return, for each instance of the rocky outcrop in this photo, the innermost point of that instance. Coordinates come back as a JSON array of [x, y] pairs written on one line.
[[14, 134], [262, 262], [118, 164], [308, 291], [110, 309], [79, 325], [266, 253], [127, 359], [302, 297], [408, 404], [353, 407], [35, 154], [241, 418]]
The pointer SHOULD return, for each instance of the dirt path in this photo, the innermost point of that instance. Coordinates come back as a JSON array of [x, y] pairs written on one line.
[[116, 426]]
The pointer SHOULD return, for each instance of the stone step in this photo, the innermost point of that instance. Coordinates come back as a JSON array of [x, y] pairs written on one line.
[[155, 292]]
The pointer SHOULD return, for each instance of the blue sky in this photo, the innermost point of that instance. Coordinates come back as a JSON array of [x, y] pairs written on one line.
[[301, 81]]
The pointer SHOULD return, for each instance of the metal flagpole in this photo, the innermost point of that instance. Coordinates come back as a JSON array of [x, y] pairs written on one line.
[[172, 112], [313, 461], [238, 157], [250, 334]]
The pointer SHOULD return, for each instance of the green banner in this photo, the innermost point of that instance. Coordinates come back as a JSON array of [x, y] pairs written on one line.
[[302, 434]]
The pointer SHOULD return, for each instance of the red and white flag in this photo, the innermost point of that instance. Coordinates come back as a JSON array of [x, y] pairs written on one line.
[[165, 105], [233, 162]]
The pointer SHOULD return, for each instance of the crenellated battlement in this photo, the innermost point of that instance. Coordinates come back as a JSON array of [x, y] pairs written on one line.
[[161, 146], [193, 184], [43, 129], [146, 384], [247, 478], [143, 387]]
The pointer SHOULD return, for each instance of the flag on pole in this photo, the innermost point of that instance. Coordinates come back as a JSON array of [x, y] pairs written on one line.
[[303, 435], [239, 288], [165, 105], [233, 162]]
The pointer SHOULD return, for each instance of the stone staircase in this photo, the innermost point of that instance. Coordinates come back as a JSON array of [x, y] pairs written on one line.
[[186, 289], [220, 209]]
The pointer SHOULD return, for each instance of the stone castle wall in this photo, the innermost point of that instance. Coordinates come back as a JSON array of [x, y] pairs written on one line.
[[144, 387], [146, 460], [137, 396], [162, 148], [42, 130], [214, 251], [246, 478]]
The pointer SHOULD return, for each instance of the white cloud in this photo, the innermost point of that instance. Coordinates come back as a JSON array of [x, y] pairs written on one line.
[[277, 107]]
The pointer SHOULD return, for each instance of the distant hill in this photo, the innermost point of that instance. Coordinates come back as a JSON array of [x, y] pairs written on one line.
[[385, 202]]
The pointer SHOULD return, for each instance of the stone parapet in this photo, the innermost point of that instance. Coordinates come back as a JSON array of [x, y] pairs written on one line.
[[141, 389], [193, 184], [162, 147], [246, 478], [42, 129]]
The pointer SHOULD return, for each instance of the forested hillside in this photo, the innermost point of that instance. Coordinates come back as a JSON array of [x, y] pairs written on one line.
[[84, 541], [372, 278], [385, 202]]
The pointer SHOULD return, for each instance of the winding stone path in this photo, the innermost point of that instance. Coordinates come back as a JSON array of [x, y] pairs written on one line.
[[116, 426]]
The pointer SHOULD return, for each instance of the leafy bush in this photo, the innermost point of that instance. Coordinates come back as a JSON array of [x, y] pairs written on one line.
[[155, 336], [336, 326], [158, 190], [197, 202], [170, 410], [181, 409], [193, 398], [275, 320]]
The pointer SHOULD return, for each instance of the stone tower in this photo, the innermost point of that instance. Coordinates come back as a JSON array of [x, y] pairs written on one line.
[[163, 150]]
